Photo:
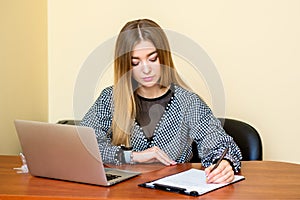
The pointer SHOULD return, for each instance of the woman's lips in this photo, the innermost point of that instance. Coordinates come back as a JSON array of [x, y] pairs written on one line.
[[148, 79]]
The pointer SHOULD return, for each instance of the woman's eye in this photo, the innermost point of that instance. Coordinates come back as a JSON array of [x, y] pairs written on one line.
[[154, 59], [135, 63]]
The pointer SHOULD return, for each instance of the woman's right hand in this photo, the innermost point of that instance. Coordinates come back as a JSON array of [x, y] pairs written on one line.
[[153, 154]]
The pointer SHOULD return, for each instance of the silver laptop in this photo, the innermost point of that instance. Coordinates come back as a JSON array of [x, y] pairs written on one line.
[[66, 152]]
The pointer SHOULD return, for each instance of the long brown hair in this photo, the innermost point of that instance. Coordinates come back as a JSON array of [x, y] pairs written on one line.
[[124, 85]]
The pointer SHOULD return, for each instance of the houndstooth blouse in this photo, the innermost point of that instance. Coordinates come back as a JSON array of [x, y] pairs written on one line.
[[186, 118]]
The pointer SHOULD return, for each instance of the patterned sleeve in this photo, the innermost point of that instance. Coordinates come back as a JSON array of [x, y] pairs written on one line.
[[208, 133], [99, 117]]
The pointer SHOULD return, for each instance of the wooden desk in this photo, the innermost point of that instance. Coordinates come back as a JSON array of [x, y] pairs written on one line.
[[264, 180]]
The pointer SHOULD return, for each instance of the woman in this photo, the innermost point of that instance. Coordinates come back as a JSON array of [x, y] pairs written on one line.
[[149, 115]]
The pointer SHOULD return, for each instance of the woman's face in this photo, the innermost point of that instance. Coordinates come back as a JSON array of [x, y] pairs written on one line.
[[145, 64]]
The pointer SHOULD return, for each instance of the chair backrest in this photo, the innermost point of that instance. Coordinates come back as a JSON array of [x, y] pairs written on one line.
[[69, 122], [245, 136]]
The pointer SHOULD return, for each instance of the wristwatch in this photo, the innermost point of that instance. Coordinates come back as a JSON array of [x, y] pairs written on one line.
[[127, 154]]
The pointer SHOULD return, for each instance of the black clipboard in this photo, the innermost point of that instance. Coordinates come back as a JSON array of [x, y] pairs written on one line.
[[169, 188], [155, 184]]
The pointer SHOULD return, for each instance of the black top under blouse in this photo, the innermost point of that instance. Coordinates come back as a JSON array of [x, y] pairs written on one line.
[[150, 110]]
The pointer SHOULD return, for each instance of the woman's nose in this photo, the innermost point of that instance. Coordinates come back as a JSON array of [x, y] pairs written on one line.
[[146, 68]]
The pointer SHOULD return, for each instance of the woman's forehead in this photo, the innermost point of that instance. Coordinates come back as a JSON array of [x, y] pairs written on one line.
[[143, 47]]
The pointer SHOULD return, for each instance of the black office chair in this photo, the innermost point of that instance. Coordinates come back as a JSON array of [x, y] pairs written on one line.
[[69, 122], [245, 136]]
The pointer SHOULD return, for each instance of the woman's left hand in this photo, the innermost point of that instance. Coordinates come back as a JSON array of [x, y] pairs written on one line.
[[222, 174]]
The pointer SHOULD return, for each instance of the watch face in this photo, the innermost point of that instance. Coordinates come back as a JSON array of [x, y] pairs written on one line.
[[128, 156]]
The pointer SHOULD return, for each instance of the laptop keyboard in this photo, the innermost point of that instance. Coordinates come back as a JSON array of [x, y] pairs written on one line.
[[111, 176]]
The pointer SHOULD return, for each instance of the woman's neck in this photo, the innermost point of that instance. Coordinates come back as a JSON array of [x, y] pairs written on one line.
[[152, 92]]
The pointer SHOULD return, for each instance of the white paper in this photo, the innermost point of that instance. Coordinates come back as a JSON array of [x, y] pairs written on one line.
[[191, 180]]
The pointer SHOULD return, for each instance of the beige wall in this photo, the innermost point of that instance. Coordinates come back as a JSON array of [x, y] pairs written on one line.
[[23, 64], [255, 46]]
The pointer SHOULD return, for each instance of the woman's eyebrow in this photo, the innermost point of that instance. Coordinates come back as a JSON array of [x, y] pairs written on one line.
[[149, 54]]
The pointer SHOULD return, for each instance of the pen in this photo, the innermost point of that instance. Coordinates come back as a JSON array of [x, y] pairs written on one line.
[[221, 158]]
